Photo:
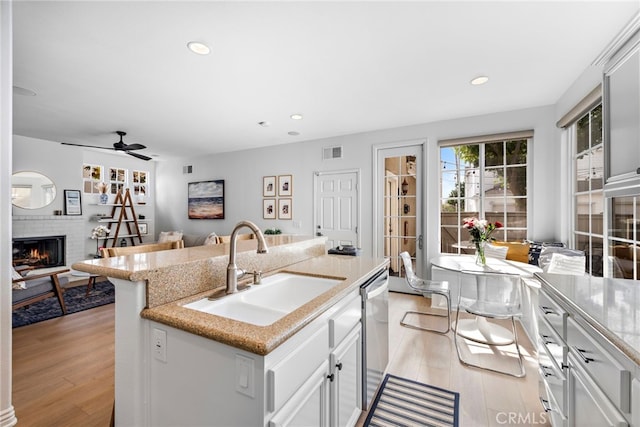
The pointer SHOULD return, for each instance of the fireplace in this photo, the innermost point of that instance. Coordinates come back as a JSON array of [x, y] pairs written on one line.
[[39, 252]]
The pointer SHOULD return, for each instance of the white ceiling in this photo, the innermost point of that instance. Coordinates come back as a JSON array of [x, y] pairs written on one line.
[[349, 67]]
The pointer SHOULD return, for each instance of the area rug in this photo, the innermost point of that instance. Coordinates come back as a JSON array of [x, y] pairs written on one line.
[[102, 293], [402, 402]]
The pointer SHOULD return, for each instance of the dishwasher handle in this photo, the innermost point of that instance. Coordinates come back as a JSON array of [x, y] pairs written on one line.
[[376, 285], [375, 290]]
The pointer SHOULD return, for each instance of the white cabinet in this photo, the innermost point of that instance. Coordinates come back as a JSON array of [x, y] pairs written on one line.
[[346, 380], [621, 96], [308, 406], [584, 379], [589, 406], [312, 379], [332, 394], [552, 359]]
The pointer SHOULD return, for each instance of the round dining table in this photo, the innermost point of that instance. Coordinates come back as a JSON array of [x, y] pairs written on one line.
[[479, 329]]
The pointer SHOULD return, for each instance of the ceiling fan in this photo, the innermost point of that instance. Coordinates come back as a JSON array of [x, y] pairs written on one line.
[[118, 146]]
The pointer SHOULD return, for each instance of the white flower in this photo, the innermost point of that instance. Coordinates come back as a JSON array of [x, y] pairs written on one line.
[[99, 231]]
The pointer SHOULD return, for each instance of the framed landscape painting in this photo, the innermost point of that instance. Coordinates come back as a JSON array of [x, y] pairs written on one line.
[[206, 199]]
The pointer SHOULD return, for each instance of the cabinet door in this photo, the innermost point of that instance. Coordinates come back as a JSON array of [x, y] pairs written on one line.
[[588, 404], [346, 382], [309, 405], [622, 87]]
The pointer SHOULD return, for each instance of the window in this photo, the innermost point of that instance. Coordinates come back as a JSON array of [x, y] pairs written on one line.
[[588, 200], [485, 179]]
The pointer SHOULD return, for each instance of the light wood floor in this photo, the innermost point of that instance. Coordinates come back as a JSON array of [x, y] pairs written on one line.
[[486, 398], [63, 371]]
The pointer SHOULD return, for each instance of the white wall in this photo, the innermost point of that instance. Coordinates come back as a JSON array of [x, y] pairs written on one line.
[[243, 172], [7, 412], [63, 164]]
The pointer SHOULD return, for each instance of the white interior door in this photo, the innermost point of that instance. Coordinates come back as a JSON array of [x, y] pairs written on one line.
[[337, 202], [398, 222]]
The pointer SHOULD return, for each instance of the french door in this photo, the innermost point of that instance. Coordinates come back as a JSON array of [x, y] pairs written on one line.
[[398, 217]]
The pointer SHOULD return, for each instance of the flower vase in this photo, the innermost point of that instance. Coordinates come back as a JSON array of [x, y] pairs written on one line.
[[104, 198], [480, 257]]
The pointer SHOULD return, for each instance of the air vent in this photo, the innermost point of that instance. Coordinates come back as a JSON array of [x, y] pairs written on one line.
[[187, 169], [331, 153]]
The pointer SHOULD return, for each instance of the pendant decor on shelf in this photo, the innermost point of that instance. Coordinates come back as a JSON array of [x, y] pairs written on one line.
[[104, 198]]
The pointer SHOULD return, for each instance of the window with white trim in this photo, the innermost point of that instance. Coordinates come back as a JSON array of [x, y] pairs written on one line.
[[485, 179], [588, 200]]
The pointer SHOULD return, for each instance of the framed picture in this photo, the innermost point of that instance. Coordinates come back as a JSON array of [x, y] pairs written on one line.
[[142, 226], [269, 186], [269, 208], [284, 209], [285, 185], [72, 202], [91, 177], [206, 199]]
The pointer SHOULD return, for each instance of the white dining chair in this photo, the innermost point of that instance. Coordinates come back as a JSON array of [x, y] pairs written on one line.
[[427, 288], [497, 296]]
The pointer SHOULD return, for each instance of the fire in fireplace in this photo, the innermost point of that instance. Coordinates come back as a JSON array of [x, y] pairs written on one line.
[[39, 252]]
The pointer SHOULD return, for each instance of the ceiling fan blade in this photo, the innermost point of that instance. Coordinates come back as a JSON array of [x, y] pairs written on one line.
[[128, 147], [89, 146], [140, 156]]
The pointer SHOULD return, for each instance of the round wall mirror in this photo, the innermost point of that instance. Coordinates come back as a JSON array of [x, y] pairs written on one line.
[[31, 190]]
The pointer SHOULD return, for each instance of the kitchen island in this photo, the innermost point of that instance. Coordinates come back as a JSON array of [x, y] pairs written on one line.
[[177, 365]]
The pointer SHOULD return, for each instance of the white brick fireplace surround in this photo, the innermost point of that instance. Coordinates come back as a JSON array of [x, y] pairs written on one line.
[[45, 225]]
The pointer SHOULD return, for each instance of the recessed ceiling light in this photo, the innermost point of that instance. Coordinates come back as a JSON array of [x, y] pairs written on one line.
[[17, 90], [293, 133], [199, 48], [480, 80], [296, 116]]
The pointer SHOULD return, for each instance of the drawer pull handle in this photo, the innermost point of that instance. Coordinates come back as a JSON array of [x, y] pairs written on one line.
[[547, 371], [545, 405], [331, 377], [547, 339], [580, 352], [546, 310], [339, 366]]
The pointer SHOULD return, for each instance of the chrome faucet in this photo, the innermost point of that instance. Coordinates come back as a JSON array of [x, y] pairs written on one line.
[[232, 269]]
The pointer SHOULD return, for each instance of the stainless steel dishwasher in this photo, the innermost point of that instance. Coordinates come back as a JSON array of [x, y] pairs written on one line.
[[375, 333]]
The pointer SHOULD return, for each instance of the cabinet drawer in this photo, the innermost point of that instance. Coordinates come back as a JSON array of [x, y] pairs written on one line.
[[589, 405], [554, 379], [290, 373], [341, 323], [602, 367], [549, 404], [555, 315], [550, 343]]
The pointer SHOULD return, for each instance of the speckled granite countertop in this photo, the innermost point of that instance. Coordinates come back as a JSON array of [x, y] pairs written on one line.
[[611, 306], [179, 276], [263, 339]]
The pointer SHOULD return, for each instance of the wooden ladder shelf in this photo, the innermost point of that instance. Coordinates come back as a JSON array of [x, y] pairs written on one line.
[[133, 230]]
